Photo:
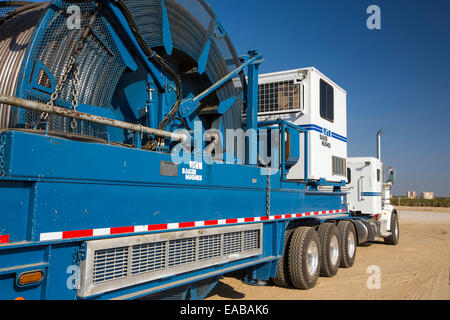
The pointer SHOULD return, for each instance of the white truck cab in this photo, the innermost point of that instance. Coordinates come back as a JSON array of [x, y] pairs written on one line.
[[368, 186]]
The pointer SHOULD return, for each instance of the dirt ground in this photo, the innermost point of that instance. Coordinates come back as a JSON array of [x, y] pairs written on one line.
[[417, 268]]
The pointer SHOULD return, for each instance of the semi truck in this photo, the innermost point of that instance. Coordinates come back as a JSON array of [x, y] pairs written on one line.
[[141, 156]]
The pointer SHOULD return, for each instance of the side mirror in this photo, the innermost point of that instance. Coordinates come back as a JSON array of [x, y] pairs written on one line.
[[391, 175]]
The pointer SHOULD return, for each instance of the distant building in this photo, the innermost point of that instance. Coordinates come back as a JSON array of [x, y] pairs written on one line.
[[426, 195], [411, 195]]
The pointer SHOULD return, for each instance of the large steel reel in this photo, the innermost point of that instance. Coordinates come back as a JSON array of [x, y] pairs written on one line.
[[36, 44]]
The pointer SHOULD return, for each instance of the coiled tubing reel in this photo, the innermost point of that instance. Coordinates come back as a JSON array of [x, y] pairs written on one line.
[[129, 60]]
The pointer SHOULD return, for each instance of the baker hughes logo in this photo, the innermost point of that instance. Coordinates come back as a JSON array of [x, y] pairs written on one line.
[[194, 171], [324, 137]]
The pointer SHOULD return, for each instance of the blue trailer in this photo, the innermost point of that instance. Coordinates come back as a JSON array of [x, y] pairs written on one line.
[[116, 177]]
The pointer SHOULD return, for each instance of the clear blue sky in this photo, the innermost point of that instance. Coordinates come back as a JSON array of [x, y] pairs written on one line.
[[396, 78]]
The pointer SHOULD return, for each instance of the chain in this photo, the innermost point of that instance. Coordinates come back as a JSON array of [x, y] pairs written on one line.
[[268, 193], [58, 88], [2, 154], [72, 67], [267, 167], [75, 81]]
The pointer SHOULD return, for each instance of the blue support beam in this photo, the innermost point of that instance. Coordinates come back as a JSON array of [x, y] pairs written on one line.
[[252, 113], [167, 36]]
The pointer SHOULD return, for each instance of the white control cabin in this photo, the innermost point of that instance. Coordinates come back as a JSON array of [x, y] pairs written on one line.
[[307, 98]]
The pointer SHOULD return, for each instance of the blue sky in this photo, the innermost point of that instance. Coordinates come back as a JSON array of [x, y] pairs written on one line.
[[396, 78]]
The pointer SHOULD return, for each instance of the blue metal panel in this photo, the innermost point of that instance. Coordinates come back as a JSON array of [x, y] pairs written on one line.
[[16, 199], [74, 193]]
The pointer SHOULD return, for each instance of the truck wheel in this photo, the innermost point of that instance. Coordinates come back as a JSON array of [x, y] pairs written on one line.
[[348, 243], [330, 240], [395, 236], [304, 258], [282, 276]]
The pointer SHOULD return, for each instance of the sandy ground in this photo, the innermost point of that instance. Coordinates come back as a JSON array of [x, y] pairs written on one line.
[[417, 268]]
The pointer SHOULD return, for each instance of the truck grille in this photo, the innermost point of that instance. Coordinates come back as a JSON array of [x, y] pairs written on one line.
[[115, 263]]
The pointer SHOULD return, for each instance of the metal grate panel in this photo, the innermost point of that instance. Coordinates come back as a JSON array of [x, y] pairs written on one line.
[[115, 263], [181, 251], [280, 96], [232, 242], [209, 247], [251, 240], [148, 257], [110, 264], [100, 65]]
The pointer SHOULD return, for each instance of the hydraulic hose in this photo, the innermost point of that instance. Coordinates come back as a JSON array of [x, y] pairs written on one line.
[[23, 6]]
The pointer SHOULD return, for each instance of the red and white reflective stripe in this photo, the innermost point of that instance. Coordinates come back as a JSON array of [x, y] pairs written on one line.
[[4, 238], [173, 226]]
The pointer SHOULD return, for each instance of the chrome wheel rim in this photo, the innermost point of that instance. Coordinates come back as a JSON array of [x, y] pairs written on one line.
[[312, 258], [396, 229], [351, 244], [334, 250]]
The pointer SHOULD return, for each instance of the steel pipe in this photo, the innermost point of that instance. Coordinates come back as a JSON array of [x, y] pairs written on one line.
[[41, 107]]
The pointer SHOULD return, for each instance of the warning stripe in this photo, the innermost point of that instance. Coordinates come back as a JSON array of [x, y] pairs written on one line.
[[169, 226], [4, 238]]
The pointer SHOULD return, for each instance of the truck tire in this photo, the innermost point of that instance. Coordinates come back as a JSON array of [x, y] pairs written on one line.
[[395, 229], [348, 243], [330, 240], [282, 276], [304, 258]]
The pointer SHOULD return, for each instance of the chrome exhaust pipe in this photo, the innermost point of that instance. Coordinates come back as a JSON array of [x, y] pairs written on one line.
[[379, 133]]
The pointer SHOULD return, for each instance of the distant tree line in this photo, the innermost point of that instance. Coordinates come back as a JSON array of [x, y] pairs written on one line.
[[436, 202]]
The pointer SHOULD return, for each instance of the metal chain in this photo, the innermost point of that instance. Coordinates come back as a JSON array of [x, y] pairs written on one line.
[[2, 154], [268, 193], [267, 167], [72, 67], [58, 88], [75, 81]]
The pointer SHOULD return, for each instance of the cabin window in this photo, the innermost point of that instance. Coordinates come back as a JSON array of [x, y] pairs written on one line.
[[326, 101], [349, 175]]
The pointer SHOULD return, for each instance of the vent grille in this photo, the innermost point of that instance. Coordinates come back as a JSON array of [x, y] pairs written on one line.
[[181, 251], [339, 166], [251, 240], [209, 247], [232, 242], [110, 264], [148, 257], [115, 263]]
